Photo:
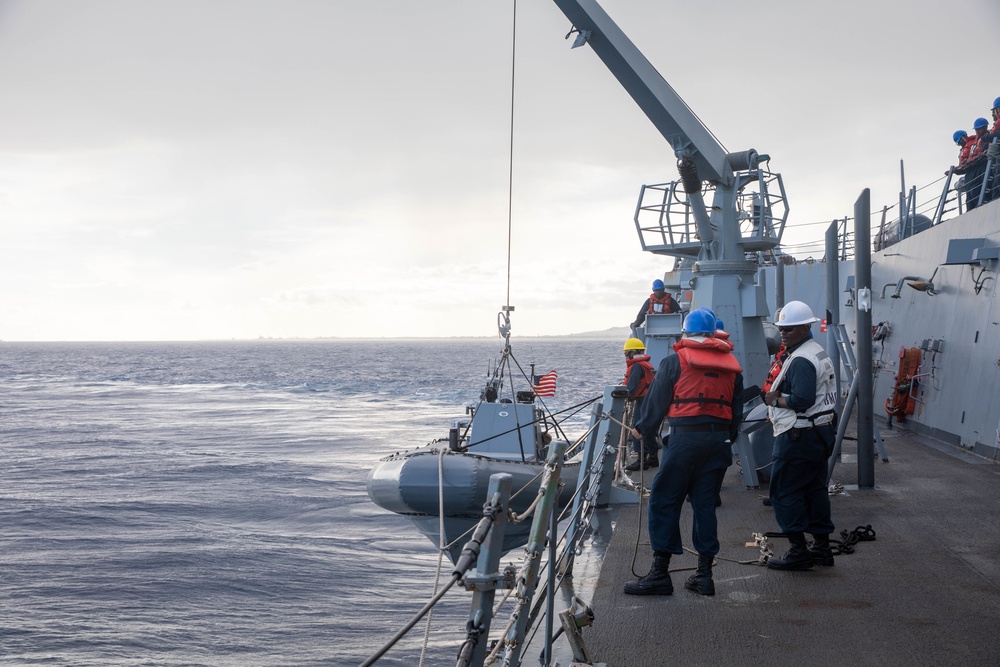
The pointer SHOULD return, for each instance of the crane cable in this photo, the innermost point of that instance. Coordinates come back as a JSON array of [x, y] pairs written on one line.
[[510, 156]]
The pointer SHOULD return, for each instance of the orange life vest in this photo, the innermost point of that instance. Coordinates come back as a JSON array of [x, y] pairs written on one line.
[[706, 383], [647, 374], [779, 360], [666, 304], [973, 149]]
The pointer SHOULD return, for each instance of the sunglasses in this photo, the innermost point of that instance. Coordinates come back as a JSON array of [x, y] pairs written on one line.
[[787, 329]]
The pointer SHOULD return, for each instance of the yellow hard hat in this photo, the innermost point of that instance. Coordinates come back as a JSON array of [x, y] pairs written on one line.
[[634, 344]]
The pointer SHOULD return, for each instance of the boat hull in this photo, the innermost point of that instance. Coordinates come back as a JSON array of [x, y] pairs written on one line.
[[427, 485]]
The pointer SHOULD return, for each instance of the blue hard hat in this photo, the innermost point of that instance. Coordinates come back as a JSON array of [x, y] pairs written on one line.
[[958, 135], [657, 284], [720, 325], [701, 320], [980, 122], [996, 103]]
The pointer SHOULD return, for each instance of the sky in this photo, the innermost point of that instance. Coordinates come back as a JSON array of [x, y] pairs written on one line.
[[236, 169]]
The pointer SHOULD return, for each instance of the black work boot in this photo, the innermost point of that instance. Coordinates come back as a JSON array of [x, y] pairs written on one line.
[[796, 558], [701, 581], [820, 552], [657, 582], [652, 461]]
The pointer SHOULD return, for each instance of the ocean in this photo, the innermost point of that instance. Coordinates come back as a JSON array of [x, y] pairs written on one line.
[[204, 503]]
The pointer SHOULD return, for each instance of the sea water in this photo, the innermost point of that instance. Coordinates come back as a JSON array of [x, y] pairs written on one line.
[[205, 504]]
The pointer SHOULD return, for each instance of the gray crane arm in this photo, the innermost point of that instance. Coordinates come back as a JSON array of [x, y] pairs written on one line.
[[661, 104]]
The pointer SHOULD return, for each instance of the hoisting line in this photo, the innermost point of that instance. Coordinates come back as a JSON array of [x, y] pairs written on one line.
[[510, 156]]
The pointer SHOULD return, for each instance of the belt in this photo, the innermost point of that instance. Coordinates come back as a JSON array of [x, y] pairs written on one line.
[[700, 428]]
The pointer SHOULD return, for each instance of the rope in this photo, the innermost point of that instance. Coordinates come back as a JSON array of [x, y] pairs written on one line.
[[518, 518], [441, 549], [849, 539], [576, 408]]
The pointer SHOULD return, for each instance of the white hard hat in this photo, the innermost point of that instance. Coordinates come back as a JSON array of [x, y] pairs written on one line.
[[795, 313]]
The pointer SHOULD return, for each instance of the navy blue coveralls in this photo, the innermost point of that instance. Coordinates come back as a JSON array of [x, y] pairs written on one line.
[[635, 376], [694, 462], [799, 470]]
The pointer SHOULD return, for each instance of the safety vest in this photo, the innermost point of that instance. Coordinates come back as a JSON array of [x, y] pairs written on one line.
[[825, 408], [964, 152], [647, 374], [707, 380], [658, 305], [772, 374], [975, 147]]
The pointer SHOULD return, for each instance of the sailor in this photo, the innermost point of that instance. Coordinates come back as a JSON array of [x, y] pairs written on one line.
[[961, 138], [638, 378], [658, 302], [802, 403], [700, 390], [974, 164], [992, 143]]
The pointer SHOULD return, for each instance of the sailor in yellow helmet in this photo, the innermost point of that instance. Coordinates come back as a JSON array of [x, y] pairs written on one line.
[[638, 378]]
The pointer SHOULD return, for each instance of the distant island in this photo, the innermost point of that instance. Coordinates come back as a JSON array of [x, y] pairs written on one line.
[[613, 332]]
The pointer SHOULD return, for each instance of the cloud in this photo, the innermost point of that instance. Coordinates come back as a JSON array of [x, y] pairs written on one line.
[[313, 169]]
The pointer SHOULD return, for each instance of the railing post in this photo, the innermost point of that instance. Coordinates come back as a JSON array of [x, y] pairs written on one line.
[[608, 434], [863, 283], [584, 480], [485, 578], [529, 578], [986, 179], [944, 198], [550, 597]]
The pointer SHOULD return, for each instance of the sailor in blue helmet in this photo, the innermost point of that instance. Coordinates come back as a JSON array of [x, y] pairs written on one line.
[[802, 404], [974, 166], [992, 142], [700, 390], [658, 302], [961, 138]]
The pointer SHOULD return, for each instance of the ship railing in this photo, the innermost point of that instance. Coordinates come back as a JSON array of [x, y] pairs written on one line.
[[918, 216], [592, 492], [665, 219], [918, 212], [478, 567]]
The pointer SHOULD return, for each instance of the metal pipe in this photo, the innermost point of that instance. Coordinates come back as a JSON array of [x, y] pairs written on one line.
[[488, 563], [833, 299], [688, 171], [899, 285], [863, 281], [944, 198], [550, 601], [845, 416], [986, 174], [536, 541], [779, 285]]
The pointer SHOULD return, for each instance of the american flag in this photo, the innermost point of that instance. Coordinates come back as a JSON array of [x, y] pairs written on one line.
[[545, 385]]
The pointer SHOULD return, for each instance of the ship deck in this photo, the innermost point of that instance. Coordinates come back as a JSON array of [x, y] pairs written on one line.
[[925, 591]]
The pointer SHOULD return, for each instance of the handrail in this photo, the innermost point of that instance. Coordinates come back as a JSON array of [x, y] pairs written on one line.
[[986, 174]]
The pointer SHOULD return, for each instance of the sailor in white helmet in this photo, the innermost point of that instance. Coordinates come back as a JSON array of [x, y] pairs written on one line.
[[802, 404]]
